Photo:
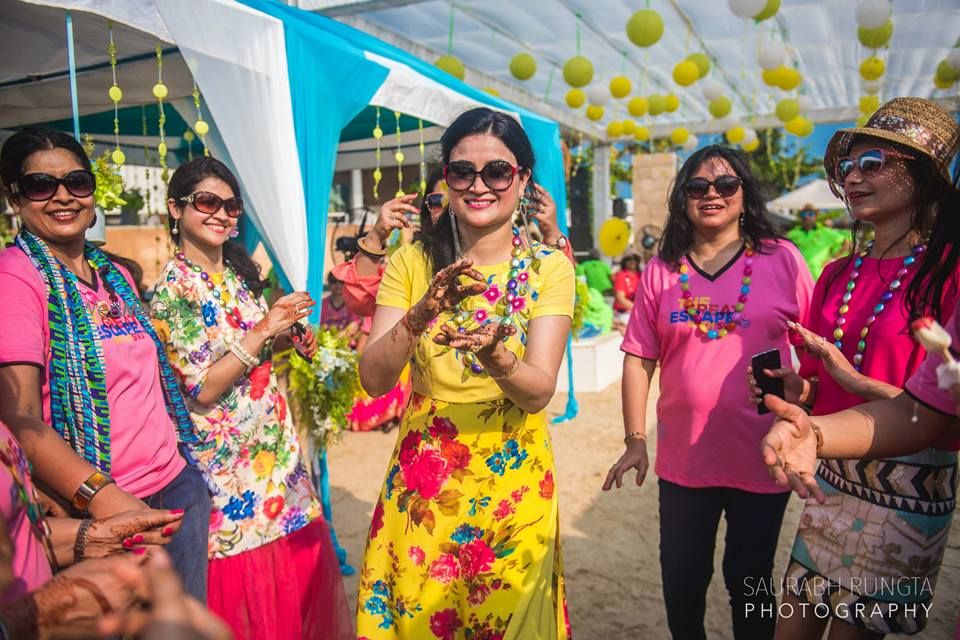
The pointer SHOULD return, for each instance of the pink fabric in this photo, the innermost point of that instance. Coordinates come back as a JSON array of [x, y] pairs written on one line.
[[625, 282], [923, 384], [143, 440], [289, 588], [708, 433], [892, 354], [359, 292], [23, 518], [339, 318]]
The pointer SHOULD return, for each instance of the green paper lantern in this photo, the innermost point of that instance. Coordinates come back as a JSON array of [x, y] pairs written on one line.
[[645, 28], [575, 98], [686, 73], [946, 72], [876, 38], [787, 109], [769, 11], [720, 107], [452, 65], [578, 71], [702, 61], [940, 83], [656, 104], [620, 87], [523, 66], [637, 107]]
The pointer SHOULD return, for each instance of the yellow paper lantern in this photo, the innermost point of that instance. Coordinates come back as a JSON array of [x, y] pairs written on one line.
[[940, 83], [452, 65], [736, 135], [788, 79], [645, 27], [671, 103], [523, 66], [751, 145], [686, 73], [637, 107], [770, 77], [620, 87], [656, 104], [806, 129], [799, 126], [862, 120], [720, 107], [679, 135], [189, 136], [201, 127], [869, 104], [594, 112], [118, 157], [702, 61], [575, 98], [876, 38], [614, 129], [872, 68], [787, 109], [115, 93], [491, 91], [769, 10], [642, 134], [614, 237], [160, 91], [629, 127], [946, 72], [578, 71]]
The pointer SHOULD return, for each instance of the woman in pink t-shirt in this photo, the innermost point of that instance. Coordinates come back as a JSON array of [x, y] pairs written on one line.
[[84, 380], [722, 289]]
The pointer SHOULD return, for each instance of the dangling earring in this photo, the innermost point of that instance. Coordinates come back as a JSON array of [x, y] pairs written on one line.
[[174, 230], [741, 219], [526, 223], [456, 235], [234, 233]]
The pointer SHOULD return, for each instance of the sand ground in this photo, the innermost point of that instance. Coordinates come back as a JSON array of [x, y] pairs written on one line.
[[610, 540]]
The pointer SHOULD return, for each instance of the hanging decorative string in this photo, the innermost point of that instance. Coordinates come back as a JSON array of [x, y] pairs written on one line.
[[423, 159], [116, 95], [546, 92], [146, 158], [201, 127], [160, 92], [399, 157], [377, 173]]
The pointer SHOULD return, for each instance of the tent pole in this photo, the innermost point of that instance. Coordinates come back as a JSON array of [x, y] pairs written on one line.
[[72, 64]]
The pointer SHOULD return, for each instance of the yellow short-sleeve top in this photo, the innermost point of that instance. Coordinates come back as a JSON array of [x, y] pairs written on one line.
[[544, 286]]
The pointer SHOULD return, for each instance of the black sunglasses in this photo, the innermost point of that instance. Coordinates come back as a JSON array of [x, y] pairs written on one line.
[[210, 203], [433, 200], [870, 163], [725, 186], [498, 175], [43, 186]]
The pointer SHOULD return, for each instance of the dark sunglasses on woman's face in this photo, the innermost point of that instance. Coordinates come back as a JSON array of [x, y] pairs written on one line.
[[433, 200], [725, 186], [498, 175], [870, 163], [43, 186], [210, 203]]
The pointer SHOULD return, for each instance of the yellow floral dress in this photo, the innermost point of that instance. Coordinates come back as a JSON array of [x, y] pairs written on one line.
[[464, 541]]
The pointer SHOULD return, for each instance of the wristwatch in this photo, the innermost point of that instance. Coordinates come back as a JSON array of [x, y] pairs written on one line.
[[97, 480]]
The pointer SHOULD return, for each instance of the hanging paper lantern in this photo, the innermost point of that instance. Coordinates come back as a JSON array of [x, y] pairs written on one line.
[[597, 94], [578, 71], [800, 127], [720, 107], [620, 87], [614, 129], [642, 134], [679, 135], [875, 38], [805, 103], [946, 72], [940, 83], [769, 10], [629, 127], [201, 127], [575, 98], [645, 27], [735, 135], [691, 143], [954, 58], [160, 91], [870, 87], [491, 91], [869, 104], [872, 68], [671, 103], [747, 8], [702, 61], [807, 128], [787, 109], [712, 89], [686, 73], [523, 66], [115, 93], [872, 14], [771, 55], [452, 65], [749, 135], [189, 136], [656, 104], [118, 157], [770, 77], [862, 120], [751, 145], [788, 79], [594, 112], [637, 107]]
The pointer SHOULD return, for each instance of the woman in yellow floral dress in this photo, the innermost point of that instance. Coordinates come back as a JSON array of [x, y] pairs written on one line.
[[464, 541]]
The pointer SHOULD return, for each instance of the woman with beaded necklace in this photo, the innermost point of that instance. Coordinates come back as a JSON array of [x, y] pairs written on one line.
[[721, 290], [883, 519], [273, 572], [464, 538]]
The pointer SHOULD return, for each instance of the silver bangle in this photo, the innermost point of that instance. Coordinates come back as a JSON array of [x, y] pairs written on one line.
[[243, 355]]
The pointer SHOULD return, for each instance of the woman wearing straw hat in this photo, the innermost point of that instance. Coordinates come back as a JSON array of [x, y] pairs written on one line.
[[868, 557]]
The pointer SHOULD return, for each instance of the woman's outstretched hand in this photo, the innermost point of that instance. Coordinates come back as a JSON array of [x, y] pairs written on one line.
[[790, 449]]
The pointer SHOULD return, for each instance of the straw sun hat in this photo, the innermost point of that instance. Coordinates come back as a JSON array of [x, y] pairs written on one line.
[[915, 123]]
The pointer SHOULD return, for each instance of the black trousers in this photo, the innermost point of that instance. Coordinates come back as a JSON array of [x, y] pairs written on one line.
[[688, 532]]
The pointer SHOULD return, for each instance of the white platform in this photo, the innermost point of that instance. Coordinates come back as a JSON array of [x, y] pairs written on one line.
[[597, 363]]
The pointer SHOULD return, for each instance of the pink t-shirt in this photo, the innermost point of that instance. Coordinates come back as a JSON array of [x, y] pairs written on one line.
[[892, 354], [143, 439], [708, 432], [23, 518], [922, 385]]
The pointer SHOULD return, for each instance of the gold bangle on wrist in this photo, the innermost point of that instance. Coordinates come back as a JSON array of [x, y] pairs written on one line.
[[373, 253], [90, 487], [634, 434], [819, 435]]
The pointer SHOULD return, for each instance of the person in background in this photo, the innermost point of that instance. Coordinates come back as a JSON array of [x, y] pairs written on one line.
[[273, 572], [597, 272], [335, 313], [818, 243], [722, 289], [625, 283]]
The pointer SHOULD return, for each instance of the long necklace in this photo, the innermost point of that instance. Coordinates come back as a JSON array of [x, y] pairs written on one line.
[[115, 308], [221, 293], [885, 298], [720, 330]]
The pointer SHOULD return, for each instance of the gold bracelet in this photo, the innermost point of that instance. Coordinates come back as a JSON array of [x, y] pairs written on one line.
[[819, 434], [373, 253], [633, 434], [512, 370]]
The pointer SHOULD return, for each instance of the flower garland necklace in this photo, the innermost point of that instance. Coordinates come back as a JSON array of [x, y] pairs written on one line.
[[697, 317], [221, 293], [886, 297]]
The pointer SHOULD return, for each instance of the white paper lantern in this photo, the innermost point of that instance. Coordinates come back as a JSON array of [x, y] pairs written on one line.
[[954, 59], [749, 135], [873, 14], [746, 8], [870, 87], [805, 103], [771, 55], [598, 94], [691, 143], [712, 89]]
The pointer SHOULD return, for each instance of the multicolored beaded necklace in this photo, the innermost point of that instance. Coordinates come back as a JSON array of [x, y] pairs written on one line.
[[221, 293], [885, 298], [115, 307], [697, 317], [507, 304]]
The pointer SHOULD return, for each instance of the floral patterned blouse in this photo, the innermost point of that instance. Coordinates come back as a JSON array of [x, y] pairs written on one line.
[[250, 447]]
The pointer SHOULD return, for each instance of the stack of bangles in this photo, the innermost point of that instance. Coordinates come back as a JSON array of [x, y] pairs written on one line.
[[243, 355], [373, 253]]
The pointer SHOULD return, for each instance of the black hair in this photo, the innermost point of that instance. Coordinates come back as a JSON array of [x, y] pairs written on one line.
[[677, 236], [183, 182], [24, 143], [332, 279], [627, 257], [436, 238]]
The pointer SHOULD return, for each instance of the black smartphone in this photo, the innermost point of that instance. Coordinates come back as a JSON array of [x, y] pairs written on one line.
[[300, 332], [774, 386]]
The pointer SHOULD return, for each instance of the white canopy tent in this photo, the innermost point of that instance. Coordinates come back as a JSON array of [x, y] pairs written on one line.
[[816, 192]]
